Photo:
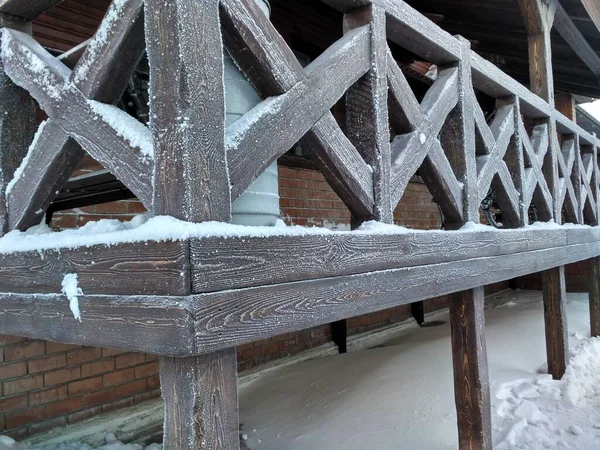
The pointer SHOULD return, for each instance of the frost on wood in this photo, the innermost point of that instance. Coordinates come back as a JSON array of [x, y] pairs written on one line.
[[70, 287], [19, 172]]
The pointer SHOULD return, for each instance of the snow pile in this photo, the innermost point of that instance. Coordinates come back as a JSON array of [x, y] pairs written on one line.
[[112, 443], [70, 287]]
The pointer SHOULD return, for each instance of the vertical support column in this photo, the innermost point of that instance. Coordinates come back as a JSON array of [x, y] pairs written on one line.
[[594, 293], [201, 405], [17, 124], [555, 319], [458, 139], [185, 52], [471, 379]]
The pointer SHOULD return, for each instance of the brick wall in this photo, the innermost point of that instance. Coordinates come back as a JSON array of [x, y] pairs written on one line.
[[45, 384], [576, 277]]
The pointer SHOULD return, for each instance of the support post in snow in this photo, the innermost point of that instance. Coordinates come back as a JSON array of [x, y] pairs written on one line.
[[417, 310], [201, 404], [471, 380], [594, 293], [17, 123], [555, 319], [339, 335]]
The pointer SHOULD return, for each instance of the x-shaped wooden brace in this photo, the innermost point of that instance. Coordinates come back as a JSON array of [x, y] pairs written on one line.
[[588, 201], [301, 108], [569, 182], [534, 150], [421, 148], [491, 167], [78, 105]]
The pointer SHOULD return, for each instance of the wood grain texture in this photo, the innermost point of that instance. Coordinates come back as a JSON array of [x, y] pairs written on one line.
[[157, 325], [594, 294], [271, 66], [219, 264], [367, 120], [201, 408], [145, 268], [187, 106], [278, 123], [17, 128], [27, 9], [48, 81], [236, 317], [471, 377], [555, 319], [104, 68]]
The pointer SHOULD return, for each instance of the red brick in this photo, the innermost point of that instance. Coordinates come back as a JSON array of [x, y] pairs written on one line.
[[84, 386], [99, 397], [25, 417], [23, 384], [129, 389], [147, 369], [9, 404], [23, 351], [112, 352], [147, 396], [99, 367], [47, 425], [63, 407], [153, 382], [82, 355], [6, 339], [129, 359], [48, 395], [84, 415], [118, 404], [57, 347], [13, 370], [118, 377], [47, 363], [1, 423], [62, 375]]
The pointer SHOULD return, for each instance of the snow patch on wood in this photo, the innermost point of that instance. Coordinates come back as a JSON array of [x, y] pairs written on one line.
[[70, 287]]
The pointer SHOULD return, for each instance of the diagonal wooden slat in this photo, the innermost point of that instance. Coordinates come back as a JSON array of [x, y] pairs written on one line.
[[570, 178], [125, 150], [535, 149], [102, 73], [402, 94], [275, 125], [409, 150], [486, 137], [588, 199], [270, 65]]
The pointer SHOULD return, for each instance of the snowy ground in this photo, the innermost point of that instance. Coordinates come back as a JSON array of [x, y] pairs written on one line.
[[399, 395]]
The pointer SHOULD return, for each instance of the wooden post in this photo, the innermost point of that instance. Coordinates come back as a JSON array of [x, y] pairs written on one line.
[[594, 293], [191, 182], [201, 407], [17, 124], [555, 319], [471, 380]]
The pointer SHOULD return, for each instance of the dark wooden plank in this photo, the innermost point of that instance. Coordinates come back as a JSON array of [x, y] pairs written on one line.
[[536, 16], [144, 268], [367, 120], [271, 66], [471, 377], [17, 128], [570, 33], [219, 264], [27, 9], [201, 408], [555, 319], [84, 120], [158, 325], [102, 70], [275, 125], [236, 317], [594, 293], [191, 180]]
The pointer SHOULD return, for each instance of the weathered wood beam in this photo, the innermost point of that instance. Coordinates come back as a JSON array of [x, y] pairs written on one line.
[[538, 15], [272, 127], [201, 405], [593, 9], [185, 50], [17, 128], [102, 71], [555, 319], [152, 324], [594, 294], [145, 268], [27, 9], [235, 317], [271, 66], [570, 33], [367, 120], [471, 378], [90, 123]]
